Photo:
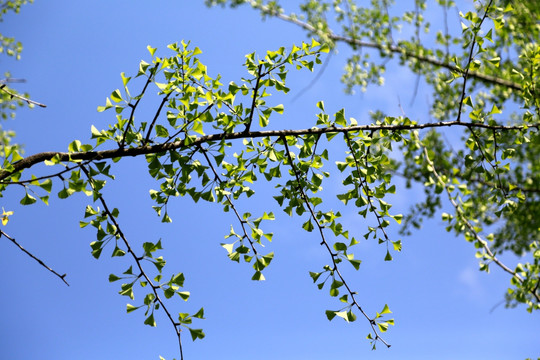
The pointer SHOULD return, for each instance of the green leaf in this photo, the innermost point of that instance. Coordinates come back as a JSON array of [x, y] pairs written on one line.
[[351, 317], [151, 50], [314, 275], [385, 310], [196, 334], [125, 79], [339, 246], [308, 226], [228, 247], [161, 131], [28, 200], [108, 105], [178, 279], [131, 308], [383, 326], [118, 252], [116, 96], [199, 314], [184, 295], [340, 118], [343, 315], [330, 314], [113, 278], [46, 185], [355, 263], [74, 146], [150, 320], [258, 276]]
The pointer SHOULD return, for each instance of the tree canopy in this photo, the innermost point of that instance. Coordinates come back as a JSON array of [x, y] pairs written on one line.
[[475, 156]]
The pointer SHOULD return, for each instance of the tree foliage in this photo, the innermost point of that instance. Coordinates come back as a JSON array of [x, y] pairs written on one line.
[[213, 142]]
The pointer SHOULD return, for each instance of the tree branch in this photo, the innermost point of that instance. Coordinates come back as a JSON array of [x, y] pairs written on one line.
[[147, 149]]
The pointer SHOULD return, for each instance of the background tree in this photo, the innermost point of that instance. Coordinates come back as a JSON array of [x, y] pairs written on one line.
[[213, 142]]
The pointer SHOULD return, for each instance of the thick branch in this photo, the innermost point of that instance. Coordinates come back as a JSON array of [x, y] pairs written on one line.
[[158, 148]]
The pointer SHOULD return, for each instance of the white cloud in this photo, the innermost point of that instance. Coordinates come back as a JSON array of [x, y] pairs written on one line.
[[469, 278]]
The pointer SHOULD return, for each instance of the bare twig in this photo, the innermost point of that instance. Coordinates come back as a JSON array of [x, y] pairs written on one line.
[[149, 132], [254, 100], [62, 277], [12, 80]]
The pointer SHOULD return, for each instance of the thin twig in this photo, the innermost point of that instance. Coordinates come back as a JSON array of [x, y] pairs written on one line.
[[183, 128], [137, 260], [254, 100], [324, 242], [231, 204], [3, 88], [134, 106], [469, 61], [364, 184], [147, 138], [12, 80], [62, 277]]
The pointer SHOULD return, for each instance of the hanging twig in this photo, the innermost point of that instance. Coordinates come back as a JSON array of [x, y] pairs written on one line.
[[62, 277]]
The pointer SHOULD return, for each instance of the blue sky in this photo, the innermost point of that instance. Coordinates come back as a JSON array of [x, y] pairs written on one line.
[[73, 55]]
